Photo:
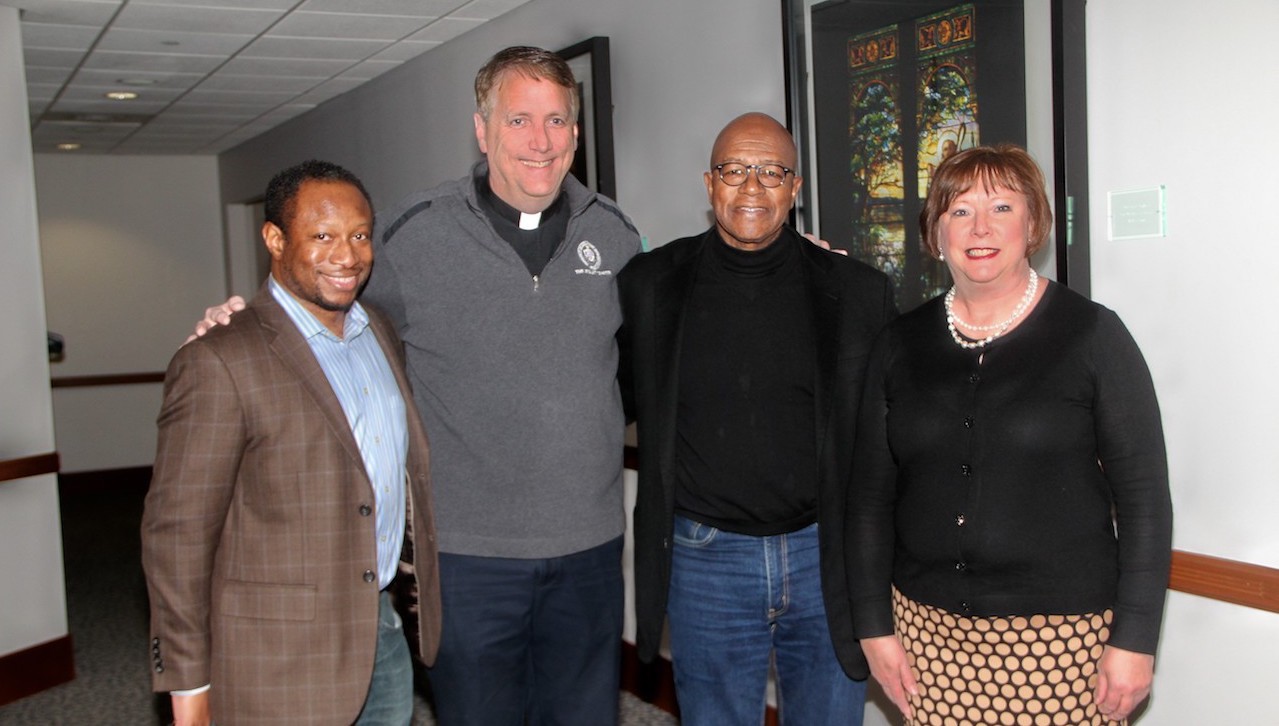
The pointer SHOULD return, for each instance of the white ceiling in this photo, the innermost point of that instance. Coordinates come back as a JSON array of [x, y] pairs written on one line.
[[211, 74]]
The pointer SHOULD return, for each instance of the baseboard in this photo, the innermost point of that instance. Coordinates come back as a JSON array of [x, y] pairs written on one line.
[[40, 667], [134, 480], [654, 683]]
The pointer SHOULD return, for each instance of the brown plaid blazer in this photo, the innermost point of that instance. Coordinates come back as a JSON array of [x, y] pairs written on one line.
[[257, 537]]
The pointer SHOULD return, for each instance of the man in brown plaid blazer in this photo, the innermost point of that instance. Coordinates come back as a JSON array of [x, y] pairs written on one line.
[[265, 543]]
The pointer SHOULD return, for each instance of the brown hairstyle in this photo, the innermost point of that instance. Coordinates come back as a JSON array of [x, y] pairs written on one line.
[[529, 62], [1002, 165]]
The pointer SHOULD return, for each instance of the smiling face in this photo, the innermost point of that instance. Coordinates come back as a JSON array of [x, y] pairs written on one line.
[[983, 235], [325, 253], [529, 138], [751, 216]]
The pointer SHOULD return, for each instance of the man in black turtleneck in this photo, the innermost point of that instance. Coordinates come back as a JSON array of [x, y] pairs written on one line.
[[742, 360]]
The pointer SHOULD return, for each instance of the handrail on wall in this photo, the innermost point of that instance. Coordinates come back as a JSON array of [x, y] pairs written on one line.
[[29, 466]]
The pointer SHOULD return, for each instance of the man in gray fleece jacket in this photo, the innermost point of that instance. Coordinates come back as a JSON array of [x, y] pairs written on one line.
[[503, 286]]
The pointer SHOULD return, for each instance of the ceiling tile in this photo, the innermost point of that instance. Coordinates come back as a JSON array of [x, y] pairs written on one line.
[[444, 29], [173, 43], [487, 9], [282, 84], [270, 46], [404, 50], [152, 62], [50, 58], [203, 95], [183, 18], [42, 74], [343, 25], [105, 106], [242, 4], [69, 12], [406, 8], [140, 81], [72, 37], [302, 67]]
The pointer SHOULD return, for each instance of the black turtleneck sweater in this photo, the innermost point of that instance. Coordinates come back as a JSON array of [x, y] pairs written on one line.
[[745, 437], [534, 246]]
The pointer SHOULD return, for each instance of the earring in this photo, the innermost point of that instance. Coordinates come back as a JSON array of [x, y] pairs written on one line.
[[940, 256]]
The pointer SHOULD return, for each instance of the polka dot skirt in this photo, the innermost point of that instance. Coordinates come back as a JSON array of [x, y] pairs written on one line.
[[1039, 670]]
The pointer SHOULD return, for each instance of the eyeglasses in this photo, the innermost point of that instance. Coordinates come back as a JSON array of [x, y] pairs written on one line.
[[768, 175]]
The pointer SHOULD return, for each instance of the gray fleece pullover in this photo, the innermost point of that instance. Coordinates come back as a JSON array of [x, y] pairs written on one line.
[[515, 376]]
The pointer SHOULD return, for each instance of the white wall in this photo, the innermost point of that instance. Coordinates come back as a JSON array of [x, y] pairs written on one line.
[[1179, 94], [32, 600], [412, 128], [133, 254]]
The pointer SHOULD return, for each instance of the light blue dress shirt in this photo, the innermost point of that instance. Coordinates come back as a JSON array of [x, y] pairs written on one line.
[[361, 377]]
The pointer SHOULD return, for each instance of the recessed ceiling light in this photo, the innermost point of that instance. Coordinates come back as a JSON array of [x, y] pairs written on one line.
[[68, 147], [121, 95]]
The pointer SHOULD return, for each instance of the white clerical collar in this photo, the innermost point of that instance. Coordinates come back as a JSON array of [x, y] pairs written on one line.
[[530, 221]]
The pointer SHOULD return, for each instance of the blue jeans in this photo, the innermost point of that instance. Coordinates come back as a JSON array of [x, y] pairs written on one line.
[[390, 698], [534, 641], [739, 604]]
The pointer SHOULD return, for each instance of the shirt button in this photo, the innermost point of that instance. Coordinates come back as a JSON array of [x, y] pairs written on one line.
[[159, 668], [365, 510], [965, 470], [368, 575], [966, 606], [960, 519], [961, 566], [973, 378], [968, 422]]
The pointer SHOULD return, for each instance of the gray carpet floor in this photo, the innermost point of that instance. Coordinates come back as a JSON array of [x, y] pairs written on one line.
[[107, 610]]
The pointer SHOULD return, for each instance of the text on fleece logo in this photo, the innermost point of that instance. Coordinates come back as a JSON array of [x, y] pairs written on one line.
[[589, 254]]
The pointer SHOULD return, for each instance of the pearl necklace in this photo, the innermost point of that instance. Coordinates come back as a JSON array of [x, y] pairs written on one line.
[[999, 328]]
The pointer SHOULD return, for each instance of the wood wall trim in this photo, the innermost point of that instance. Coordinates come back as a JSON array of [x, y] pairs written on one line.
[[40, 667], [1241, 583], [28, 466], [114, 379]]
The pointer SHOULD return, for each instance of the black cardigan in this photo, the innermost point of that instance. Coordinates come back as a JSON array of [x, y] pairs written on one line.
[[987, 488]]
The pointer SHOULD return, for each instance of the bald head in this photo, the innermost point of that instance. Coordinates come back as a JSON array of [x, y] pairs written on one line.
[[759, 128], [749, 214]]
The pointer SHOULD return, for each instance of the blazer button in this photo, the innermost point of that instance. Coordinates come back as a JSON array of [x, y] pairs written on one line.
[[365, 510], [368, 576]]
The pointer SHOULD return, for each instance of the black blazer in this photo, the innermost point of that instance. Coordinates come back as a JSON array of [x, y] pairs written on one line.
[[850, 303]]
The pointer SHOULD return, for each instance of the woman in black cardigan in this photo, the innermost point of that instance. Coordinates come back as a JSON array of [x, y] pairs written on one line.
[[1009, 523]]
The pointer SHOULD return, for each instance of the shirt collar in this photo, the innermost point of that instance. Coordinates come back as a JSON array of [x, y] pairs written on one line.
[[308, 325]]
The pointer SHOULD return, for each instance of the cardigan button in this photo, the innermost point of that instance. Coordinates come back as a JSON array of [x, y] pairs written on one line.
[[961, 566], [365, 510], [965, 470], [973, 378], [968, 422], [368, 575], [960, 519]]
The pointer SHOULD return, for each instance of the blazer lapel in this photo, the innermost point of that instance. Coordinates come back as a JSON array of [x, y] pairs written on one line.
[[296, 353], [824, 296], [670, 296]]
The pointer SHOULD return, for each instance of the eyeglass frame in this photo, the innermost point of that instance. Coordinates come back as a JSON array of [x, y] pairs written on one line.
[[719, 173]]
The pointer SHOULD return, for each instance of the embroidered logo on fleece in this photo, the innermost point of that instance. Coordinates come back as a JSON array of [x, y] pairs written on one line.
[[589, 254]]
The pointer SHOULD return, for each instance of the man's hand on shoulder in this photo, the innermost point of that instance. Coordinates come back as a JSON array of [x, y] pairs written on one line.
[[824, 244], [217, 315]]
